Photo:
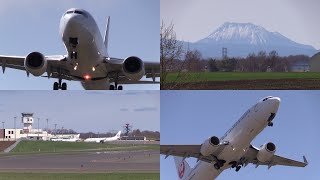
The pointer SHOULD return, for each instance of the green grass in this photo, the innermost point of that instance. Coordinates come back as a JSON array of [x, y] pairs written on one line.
[[79, 176], [49, 146], [225, 76]]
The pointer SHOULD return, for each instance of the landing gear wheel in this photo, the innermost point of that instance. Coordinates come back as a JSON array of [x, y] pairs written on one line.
[[270, 124], [233, 164], [120, 88], [64, 86], [111, 87], [217, 166], [55, 86], [238, 168]]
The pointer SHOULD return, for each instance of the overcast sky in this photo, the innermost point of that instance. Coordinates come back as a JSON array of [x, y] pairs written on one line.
[[190, 117], [196, 19], [33, 25], [84, 111]]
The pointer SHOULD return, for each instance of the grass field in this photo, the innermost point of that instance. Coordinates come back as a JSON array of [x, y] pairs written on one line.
[[225, 76], [49, 146], [79, 176]]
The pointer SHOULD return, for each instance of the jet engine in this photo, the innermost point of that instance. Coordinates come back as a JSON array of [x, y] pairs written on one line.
[[35, 63], [209, 146], [133, 68], [266, 152]]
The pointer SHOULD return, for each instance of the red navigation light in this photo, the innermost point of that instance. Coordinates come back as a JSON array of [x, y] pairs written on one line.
[[87, 77]]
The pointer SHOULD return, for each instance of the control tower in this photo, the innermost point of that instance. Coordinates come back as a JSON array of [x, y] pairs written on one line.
[[27, 120]]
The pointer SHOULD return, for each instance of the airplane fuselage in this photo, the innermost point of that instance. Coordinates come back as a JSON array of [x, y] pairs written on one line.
[[239, 137], [85, 47]]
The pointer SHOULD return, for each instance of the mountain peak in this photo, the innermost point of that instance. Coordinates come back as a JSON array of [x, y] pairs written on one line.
[[240, 33], [244, 38]]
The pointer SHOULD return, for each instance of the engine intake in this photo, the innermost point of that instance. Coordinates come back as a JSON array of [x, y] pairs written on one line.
[[209, 146], [133, 68], [266, 152], [35, 63]]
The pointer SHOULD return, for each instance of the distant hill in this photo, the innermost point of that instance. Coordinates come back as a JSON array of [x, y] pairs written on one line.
[[244, 38]]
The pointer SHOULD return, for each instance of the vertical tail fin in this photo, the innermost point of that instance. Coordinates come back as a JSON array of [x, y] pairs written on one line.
[[106, 35], [118, 134], [182, 166]]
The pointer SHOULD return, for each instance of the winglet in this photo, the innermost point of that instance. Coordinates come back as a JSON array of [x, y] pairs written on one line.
[[305, 160], [106, 35]]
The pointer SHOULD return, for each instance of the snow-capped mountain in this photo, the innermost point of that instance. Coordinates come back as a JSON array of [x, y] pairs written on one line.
[[244, 38]]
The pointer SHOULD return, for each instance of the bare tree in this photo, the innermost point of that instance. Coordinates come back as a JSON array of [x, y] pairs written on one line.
[[171, 51]]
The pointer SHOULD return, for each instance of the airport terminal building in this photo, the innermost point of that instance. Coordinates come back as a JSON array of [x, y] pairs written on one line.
[[28, 132]]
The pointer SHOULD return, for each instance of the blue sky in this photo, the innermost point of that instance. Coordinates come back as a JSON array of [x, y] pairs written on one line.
[[32, 25], [189, 117], [84, 111], [194, 20]]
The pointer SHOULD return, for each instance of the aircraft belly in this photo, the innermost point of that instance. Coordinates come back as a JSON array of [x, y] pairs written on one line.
[[205, 171]]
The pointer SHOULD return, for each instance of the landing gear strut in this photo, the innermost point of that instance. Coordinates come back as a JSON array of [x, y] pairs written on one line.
[[59, 85], [115, 86], [219, 163]]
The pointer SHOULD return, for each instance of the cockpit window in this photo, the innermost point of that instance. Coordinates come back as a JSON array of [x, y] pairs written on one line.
[[77, 12], [266, 98]]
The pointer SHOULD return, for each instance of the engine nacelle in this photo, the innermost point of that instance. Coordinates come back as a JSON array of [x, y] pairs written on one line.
[[209, 146], [266, 152], [35, 63], [133, 68]]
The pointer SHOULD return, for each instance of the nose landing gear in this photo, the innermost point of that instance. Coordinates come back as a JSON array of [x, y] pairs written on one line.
[[73, 42]]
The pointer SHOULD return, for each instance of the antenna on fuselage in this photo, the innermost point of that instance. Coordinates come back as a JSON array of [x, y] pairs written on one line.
[[106, 35]]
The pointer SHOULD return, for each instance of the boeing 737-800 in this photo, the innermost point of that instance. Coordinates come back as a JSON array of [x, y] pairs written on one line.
[[87, 59], [234, 149], [104, 139]]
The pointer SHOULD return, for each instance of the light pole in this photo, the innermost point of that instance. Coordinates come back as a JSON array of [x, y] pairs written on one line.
[[38, 127], [15, 129], [47, 127], [55, 130], [4, 132]]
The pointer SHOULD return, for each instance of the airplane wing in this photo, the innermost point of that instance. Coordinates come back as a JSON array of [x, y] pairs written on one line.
[[55, 65], [251, 157], [188, 151]]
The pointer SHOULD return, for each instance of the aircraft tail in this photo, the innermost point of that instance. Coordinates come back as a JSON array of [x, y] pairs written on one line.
[[106, 35], [183, 167], [118, 134]]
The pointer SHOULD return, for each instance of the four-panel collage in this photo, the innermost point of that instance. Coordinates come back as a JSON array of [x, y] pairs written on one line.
[[86, 87]]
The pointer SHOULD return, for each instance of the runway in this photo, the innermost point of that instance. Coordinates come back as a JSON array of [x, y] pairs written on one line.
[[108, 161]]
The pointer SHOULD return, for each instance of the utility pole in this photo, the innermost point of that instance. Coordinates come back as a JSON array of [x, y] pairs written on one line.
[[38, 127], [55, 130], [3, 129], [47, 126], [15, 129]]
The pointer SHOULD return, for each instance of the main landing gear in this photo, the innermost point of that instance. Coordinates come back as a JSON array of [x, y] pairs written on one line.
[[116, 86], [235, 165], [219, 163], [112, 87], [59, 85]]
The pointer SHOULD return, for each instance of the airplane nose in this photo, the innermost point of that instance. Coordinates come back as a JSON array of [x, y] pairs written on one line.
[[274, 102]]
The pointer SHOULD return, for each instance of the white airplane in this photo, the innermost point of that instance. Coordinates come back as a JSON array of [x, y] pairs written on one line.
[[233, 150], [65, 139], [87, 59], [104, 139]]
